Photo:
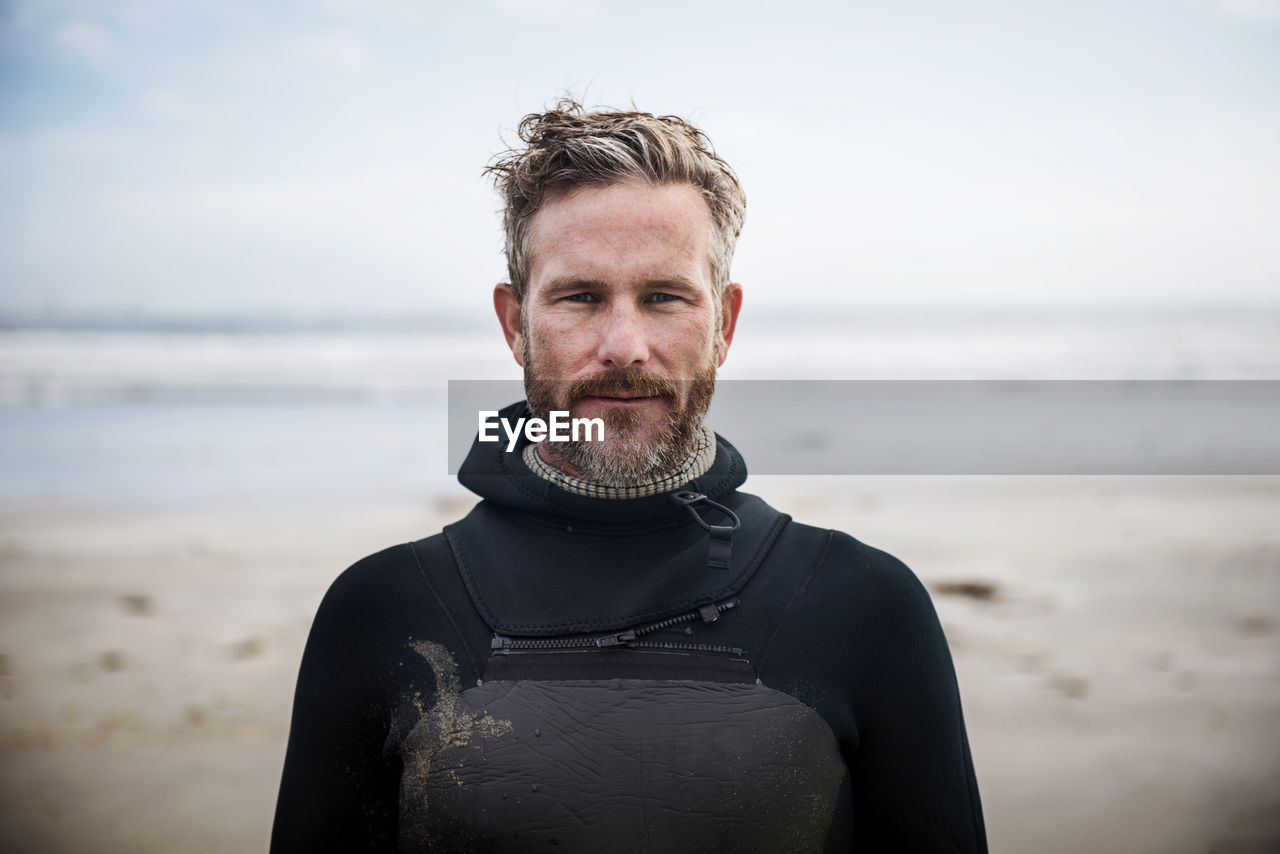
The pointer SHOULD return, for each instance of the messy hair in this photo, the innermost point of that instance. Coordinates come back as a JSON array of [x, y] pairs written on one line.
[[567, 148]]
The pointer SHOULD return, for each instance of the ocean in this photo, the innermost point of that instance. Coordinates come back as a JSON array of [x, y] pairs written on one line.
[[146, 415]]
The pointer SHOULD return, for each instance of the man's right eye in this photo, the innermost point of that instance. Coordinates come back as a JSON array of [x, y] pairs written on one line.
[[581, 297]]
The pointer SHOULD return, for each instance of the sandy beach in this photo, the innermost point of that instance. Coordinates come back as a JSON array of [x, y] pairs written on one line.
[[1117, 642]]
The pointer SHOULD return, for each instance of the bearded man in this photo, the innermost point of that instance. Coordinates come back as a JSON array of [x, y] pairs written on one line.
[[616, 649]]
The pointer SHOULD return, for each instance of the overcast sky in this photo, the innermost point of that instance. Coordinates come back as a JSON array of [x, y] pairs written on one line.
[[323, 158]]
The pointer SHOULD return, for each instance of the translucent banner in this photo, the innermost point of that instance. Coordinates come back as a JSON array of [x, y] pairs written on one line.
[[807, 427]]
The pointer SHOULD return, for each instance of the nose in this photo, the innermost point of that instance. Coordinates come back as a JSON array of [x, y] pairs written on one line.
[[623, 341]]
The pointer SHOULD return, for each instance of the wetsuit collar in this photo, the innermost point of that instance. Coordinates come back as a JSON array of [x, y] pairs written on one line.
[[694, 466], [502, 477]]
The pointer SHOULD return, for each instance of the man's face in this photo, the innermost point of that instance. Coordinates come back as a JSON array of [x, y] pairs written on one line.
[[621, 321]]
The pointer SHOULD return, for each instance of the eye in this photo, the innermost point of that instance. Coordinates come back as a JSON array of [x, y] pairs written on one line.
[[581, 297], [663, 297]]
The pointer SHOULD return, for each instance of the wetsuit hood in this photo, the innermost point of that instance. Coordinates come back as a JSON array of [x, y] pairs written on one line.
[[501, 476], [539, 560]]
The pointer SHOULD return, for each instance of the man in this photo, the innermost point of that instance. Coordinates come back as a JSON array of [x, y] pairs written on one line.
[[616, 650]]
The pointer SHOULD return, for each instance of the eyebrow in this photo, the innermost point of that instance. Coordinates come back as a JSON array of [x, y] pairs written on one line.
[[570, 283]]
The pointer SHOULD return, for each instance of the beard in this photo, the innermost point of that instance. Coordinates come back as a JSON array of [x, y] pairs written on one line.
[[635, 450]]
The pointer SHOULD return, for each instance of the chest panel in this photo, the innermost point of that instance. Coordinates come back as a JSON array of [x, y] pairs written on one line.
[[619, 765]]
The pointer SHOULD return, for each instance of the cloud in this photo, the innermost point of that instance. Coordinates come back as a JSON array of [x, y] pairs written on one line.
[[82, 40], [1252, 10], [389, 207], [333, 48], [552, 9], [167, 104]]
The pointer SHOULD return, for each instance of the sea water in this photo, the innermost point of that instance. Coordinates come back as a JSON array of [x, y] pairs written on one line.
[[144, 415]]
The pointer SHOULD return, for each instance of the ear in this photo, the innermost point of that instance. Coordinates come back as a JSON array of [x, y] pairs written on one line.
[[730, 305], [507, 306]]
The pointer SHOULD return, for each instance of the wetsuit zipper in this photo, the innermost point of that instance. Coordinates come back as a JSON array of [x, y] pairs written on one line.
[[625, 639]]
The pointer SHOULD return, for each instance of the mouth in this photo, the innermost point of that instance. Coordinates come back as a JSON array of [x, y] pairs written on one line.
[[623, 391], [621, 400]]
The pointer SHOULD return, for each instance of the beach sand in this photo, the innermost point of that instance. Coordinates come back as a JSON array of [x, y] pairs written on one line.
[[1117, 642]]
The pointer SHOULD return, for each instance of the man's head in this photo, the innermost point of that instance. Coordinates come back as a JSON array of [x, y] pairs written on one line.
[[568, 149], [620, 229]]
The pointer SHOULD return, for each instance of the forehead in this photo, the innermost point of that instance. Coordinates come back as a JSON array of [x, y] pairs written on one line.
[[622, 231]]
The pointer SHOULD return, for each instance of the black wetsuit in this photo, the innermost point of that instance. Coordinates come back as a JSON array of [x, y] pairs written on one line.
[[564, 673]]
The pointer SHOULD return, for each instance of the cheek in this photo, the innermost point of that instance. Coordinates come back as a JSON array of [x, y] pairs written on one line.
[[552, 350], [697, 343]]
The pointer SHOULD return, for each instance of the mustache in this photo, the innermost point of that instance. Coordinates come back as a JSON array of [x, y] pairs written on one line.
[[621, 384]]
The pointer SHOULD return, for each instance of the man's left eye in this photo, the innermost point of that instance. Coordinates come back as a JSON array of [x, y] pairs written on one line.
[[663, 297]]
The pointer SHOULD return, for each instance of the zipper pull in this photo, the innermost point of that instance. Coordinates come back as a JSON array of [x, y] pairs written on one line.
[[618, 639], [712, 611], [499, 643]]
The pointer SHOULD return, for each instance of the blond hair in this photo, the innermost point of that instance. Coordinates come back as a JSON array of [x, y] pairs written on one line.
[[567, 148]]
